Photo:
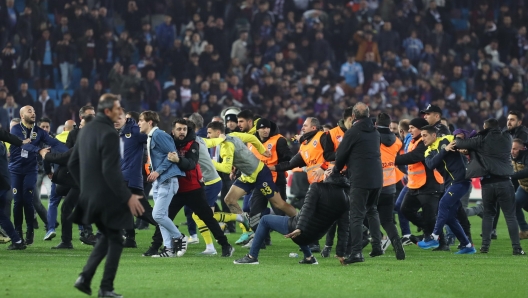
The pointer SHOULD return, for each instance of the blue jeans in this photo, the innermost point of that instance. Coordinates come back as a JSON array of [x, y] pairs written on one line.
[[447, 211], [276, 223], [5, 222], [521, 202], [163, 194], [53, 206], [404, 222]]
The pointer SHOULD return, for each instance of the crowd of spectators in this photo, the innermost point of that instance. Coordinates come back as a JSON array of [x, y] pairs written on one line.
[[285, 59]]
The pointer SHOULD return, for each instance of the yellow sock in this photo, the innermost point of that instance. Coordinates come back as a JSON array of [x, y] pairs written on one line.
[[203, 229], [225, 217], [244, 230]]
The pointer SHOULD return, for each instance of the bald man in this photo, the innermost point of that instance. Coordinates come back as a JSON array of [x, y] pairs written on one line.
[[23, 168], [54, 199]]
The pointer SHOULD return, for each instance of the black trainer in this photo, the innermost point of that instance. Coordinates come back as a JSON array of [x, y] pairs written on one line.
[[246, 260], [130, 243], [327, 250], [398, 249], [315, 248], [179, 245], [17, 246], [103, 293], [227, 251], [485, 250], [376, 253], [355, 258], [63, 245], [311, 261], [406, 241], [83, 285], [150, 252], [88, 239], [518, 252], [29, 238]]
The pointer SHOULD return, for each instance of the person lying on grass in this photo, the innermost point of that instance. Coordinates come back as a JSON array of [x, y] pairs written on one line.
[[325, 203]]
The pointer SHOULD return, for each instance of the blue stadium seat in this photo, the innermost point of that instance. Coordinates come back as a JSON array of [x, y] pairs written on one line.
[[53, 96], [51, 19], [119, 29], [460, 24], [20, 5], [33, 93]]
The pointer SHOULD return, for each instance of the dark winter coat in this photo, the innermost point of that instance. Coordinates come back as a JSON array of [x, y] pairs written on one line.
[[325, 203], [132, 160], [360, 152], [5, 177], [95, 166]]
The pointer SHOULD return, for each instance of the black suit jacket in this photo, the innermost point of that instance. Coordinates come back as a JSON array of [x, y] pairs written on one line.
[[95, 165]]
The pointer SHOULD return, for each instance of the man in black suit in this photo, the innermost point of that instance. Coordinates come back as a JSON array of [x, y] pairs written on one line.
[[105, 198], [72, 136]]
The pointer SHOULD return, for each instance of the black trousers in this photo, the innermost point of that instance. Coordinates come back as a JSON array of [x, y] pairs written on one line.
[[108, 245], [386, 216], [70, 201], [503, 194], [258, 205], [363, 202], [195, 200], [412, 202], [146, 216]]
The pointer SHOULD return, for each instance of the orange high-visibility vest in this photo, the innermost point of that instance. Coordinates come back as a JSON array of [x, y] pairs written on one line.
[[147, 166], [270, 145], [391, 174], [416, 172], [312, 154], [336, 134]]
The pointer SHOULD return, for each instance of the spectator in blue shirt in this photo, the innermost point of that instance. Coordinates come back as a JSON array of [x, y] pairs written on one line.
[[352, 71], [413, 47], [166, 34]]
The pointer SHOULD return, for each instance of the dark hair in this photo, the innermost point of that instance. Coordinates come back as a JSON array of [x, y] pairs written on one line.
[[106, 101], [327, 126], [190, 125], [430, 129], [134, 115], [347, 113], [151, 116], [47, 120], [197, 119], [88, 119], [491, 123], [395, 122], [383, 119], [519, 141], [84, 109], [246, 114], [10, 95], [216, 126], [63, 96], [517, 114], [179, 121]]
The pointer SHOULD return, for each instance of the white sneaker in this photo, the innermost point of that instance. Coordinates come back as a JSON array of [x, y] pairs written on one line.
[[208, 252], [193, 240], [166, 253], [248, 245], [180, 245], [385, 243]]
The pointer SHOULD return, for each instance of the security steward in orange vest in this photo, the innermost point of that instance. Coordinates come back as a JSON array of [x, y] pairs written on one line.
[[389, 148], [268, 134], [336, 136], [312, 155], [425, 185]]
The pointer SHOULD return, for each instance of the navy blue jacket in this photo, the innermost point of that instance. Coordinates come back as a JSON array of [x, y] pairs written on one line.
[[132, 159], [21, 165], [5, 178], [451, 164]]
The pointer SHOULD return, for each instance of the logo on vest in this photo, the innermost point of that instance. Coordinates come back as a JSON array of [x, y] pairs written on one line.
[[306, 154], [443, 146], [270, 146], [339, 138], [128, 135], [14, 191], [33, 135], [314, 143]]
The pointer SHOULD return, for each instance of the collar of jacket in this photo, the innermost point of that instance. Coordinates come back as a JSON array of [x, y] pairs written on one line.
[[384, 129], [105, 119], [127, 128], [191, 136], [308, 136], [514, 130]]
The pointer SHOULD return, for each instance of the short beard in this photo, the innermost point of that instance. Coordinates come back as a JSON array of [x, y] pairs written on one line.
[[29, 120]]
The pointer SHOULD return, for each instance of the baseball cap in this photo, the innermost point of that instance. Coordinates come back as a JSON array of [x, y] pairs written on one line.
[[431, 109]]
